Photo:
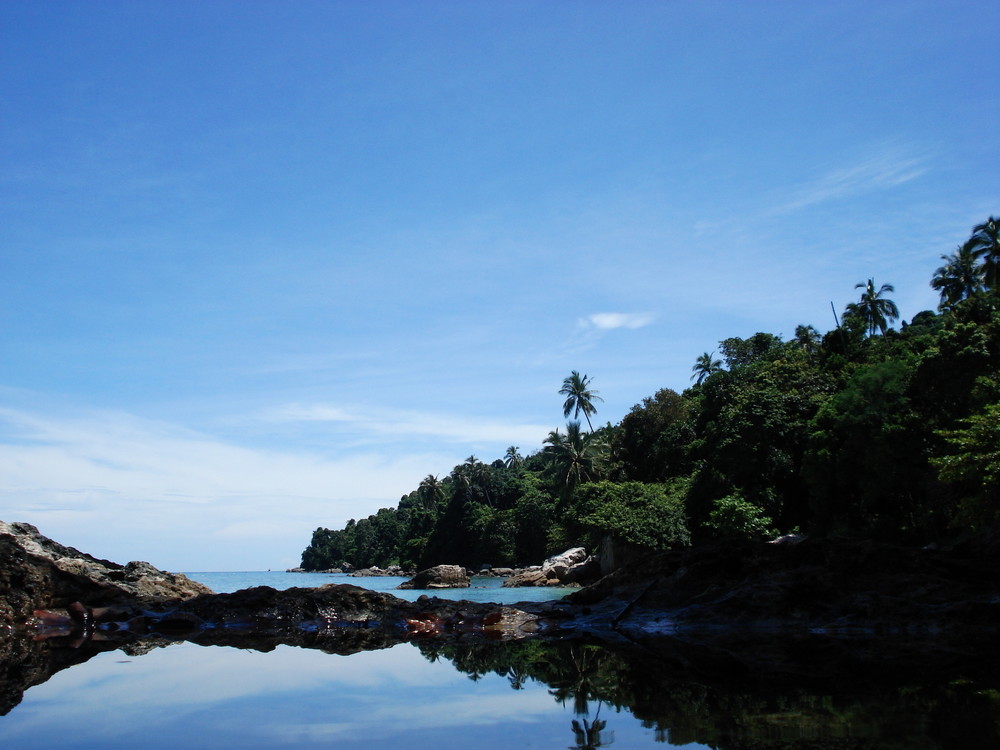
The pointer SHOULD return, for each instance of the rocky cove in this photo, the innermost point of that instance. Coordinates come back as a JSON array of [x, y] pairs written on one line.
[[761, 622]]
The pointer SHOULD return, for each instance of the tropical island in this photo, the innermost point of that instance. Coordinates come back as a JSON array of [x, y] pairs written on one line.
[[864, 432], [812, 517]]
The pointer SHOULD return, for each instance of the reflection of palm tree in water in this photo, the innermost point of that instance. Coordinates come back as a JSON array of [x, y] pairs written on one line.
[[588, 735]]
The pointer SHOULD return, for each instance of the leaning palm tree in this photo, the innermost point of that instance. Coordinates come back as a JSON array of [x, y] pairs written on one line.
[[959, 278], [985, 245], [576, 456], [874, 310], [579, 397], [705, 366]]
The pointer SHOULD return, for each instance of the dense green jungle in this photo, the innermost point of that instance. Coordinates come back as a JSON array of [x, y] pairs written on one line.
[[863, 431]]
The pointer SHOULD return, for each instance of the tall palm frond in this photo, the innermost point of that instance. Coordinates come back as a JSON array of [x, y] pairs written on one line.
[[705, 366], [576, 456], [959, 278], [874, 310], [985, 245], [580, 397]]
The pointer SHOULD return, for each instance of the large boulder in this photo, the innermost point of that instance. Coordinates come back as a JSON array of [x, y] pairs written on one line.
[[571, 566], [558, 565], [584, 573], [439, 577], [528, 577], [38, 572]]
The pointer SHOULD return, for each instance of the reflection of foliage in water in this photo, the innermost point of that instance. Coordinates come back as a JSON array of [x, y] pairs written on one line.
[[947, 714]]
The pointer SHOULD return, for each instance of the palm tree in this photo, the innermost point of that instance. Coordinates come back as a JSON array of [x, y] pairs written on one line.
[[705, 366], [985, 245], [576, 456], [512, 459], [430, 491], [807, 338], [473, 479], [579, 397], [960, 277], [873, 309]]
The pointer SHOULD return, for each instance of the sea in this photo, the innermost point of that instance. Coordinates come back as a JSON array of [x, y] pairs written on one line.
[[481, 589], [423, 696]]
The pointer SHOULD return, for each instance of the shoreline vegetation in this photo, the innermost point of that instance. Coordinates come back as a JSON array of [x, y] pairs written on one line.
[[864, 432]]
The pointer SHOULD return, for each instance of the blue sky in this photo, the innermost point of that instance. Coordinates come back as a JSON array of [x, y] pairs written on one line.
[[265, 265]]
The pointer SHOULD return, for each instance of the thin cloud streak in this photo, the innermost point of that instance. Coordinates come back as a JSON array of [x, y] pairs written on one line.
[[389, 423], [879, 172]]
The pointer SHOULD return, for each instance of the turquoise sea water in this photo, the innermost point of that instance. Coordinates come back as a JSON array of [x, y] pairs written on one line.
[[481, 589]]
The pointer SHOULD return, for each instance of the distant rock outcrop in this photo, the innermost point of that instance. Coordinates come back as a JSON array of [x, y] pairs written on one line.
[[439, 577]]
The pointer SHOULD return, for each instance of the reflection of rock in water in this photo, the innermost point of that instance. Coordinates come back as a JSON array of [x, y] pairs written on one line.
[[732, 647]]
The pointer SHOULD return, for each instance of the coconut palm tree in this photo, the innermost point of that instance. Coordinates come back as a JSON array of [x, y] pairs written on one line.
[[705, 366], [575, 456], [960, 277], [873, 309], [985, 245], [512, 458], [807, 338], [430, 491], [579, 397]]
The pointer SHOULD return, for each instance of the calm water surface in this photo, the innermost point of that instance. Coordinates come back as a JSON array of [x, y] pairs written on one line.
[[529, 694], [186, 696]]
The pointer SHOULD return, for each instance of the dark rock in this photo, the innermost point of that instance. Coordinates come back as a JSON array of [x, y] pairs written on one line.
[[814, 585], [585, 572], [439, 577], [36, 572], [527, 577]]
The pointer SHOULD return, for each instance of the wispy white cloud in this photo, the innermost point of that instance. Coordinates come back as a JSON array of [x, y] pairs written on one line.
[[405, 423], [610, 320], [126, 488], [881, 171]]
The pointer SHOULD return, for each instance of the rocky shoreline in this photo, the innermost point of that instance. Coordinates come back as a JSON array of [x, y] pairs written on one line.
[[757, 608], [572, 568]]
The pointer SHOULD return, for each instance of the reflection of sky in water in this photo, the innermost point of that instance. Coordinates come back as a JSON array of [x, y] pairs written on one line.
[[187, 696]]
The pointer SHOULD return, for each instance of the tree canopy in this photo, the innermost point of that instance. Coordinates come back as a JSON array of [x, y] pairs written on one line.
[[891, 435]]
